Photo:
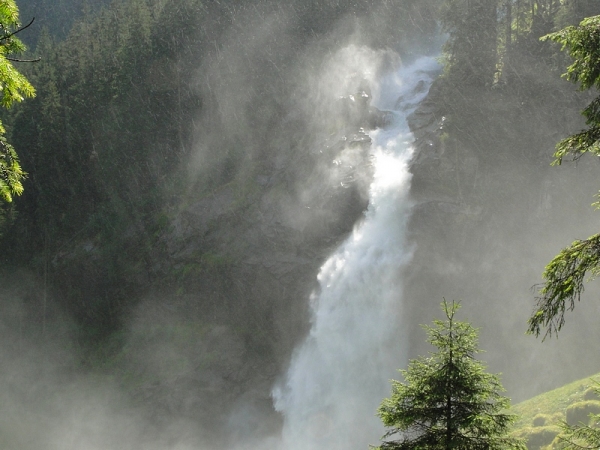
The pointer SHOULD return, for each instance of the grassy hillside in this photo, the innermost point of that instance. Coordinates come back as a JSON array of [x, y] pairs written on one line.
[[541, 416]]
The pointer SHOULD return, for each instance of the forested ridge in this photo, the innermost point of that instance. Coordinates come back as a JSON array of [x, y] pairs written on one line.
[[107, 141], [99, 139], [146, 109]]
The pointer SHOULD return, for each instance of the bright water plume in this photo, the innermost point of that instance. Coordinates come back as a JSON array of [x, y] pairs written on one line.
[[340, 373]]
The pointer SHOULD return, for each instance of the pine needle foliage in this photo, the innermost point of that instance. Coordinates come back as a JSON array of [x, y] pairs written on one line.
[[447, 400], [583, 45], [565, 276], [14, 87], [579, 437], [11, 173]]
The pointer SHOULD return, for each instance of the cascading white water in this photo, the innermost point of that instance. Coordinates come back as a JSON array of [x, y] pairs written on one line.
[[340, 373]]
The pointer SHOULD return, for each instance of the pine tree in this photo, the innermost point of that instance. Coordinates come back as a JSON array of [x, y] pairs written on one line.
[[448, 401], [471, 48]]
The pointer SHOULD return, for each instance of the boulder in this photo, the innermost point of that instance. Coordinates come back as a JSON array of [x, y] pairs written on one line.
[[579, 412]]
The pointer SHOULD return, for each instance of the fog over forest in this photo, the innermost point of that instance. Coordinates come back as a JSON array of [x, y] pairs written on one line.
[[237, 214]]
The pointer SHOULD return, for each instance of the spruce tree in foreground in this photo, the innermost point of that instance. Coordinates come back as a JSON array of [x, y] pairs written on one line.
[[448, 401]]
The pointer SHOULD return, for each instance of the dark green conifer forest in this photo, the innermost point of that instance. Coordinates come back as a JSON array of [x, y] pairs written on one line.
[[107, 140]]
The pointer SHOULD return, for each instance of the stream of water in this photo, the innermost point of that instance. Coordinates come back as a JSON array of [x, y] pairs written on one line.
[[340, 373]]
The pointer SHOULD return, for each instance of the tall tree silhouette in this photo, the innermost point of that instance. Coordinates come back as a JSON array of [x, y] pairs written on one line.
[[447, 400]]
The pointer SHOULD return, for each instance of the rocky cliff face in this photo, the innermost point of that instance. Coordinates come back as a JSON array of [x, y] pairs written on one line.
[[245, 259]]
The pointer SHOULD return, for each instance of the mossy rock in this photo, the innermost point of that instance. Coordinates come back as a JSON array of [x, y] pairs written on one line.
[[591, 393], [540, 420], [579, 412], [539, 436]]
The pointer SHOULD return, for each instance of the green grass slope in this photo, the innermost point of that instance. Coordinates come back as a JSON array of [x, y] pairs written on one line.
[[541, 416]]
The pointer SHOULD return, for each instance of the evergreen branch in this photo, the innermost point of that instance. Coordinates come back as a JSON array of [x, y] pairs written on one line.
[[38, 59], [565, 276], [18, 30], [586, 141], [580, 437]]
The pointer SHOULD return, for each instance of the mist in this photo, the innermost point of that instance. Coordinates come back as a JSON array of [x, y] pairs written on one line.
[[312, 215]]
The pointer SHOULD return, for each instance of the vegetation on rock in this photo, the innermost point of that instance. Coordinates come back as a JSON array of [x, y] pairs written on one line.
[[566, 417]]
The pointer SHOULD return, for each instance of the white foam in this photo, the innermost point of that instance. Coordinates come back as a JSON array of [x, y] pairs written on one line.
[[339, 374]]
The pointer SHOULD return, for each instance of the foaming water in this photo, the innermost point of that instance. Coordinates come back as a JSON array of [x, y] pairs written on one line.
[[339, 374]]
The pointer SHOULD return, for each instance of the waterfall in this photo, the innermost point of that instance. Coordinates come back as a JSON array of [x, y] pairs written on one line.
[[340, 373]]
